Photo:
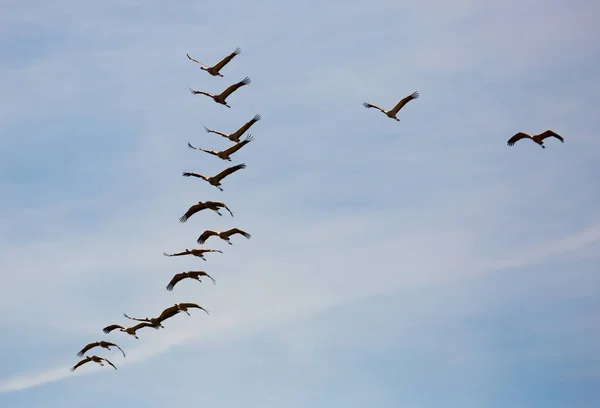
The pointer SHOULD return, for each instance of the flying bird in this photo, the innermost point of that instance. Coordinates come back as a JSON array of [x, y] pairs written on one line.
[[224, 154], [216, 180], [188, 275], [210, 205], [156, 322], [129, 330], [104, 344], [95, 359], [220, 98], [539, 138], [214, 70], [199, 252], [224, 235], [392, 113], [235, 136]]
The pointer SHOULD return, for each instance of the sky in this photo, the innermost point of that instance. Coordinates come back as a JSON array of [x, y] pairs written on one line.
[[420, 263]]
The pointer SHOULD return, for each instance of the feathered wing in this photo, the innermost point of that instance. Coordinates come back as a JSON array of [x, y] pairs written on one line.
[[108, 343], [191, 211], [517, 137], [186, 252], [202, 273], [176, 279], [200, 92], [80, 363], [550, 133], [168, 313], [234, 148], [226, 60], [108, 361], [112, 327], [216, 131], [234, 87], [370, 105], [192, 305], [86, 348], [238, 133], [228, 171], [199, 63], [137, 319], [404, 101], [140, 325], [188, 174], [237, 231], [205, 235], [192, 147]]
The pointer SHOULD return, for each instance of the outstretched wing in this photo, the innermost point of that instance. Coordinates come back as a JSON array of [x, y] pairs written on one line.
[[192, 147], [226, 60], [188, 174], [517, 137], [168, 312], [370, 105], [404, 101], [176, 279], [191, 211], [112, 327], [108, 361], [205, 235], [215, 131], [234, 148], [550, 133], [238, 133], [80, 363], [199, 63], [202, 273], [193, 305], [108, 343], [140, 325], [86, 348], [238, 231], [177, 253], [234, 87], [228, 171], [200, 92]]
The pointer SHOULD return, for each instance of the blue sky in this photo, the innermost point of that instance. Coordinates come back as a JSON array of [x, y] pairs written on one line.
[[420, 263]]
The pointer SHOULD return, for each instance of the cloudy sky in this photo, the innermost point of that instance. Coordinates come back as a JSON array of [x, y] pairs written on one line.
[[420, 263]]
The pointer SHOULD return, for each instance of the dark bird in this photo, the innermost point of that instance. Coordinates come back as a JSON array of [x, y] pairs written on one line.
[[235, 136], [95, 359], [156, 322], [224, 154], [539, 139], [199, 252], [104, 344], [129, 330], [214, 70], [224, 235], [216, 180], [392, 113], [210, 205], [188, 275], [220, 98]]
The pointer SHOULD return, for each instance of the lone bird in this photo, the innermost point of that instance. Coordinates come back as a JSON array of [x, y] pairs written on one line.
[[210, 205], [199, 252], [224, 235], [539, 139], [156, 322], [104, 344], [95, 359], [224, 154], [216, 180], [214, 70], [220, 98], [392, 113], [129, 330], [188, 275], [235, 136]]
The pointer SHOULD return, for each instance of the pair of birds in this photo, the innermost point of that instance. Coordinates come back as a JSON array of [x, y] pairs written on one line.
[[220, 98]]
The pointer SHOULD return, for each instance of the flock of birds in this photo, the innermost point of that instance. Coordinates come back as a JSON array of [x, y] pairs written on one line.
[[216, 206], [235, 137]]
